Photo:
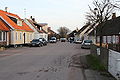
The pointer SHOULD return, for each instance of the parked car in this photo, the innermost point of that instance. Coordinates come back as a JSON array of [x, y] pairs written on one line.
[[86, 44], [36, 42], [78, 41], [71, 39], [44, 42], [63, 39], [53, 40]]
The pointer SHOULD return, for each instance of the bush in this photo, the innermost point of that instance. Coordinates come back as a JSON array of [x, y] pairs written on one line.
[[94, 63]]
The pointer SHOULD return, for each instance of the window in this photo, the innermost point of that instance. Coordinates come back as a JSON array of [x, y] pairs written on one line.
[[20, 36], [13, 19], [19, 22], [16, 35], [40, 28], [30, 36], [4, 36], [0, 35]]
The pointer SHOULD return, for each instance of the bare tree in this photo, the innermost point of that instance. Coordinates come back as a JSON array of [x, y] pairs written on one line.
[[101, 12], [63, 31]]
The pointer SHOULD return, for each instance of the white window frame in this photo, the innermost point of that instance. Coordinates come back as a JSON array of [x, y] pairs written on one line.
[[1, 36], [20, 35], [4, 35], [16, 36], [30, 36]]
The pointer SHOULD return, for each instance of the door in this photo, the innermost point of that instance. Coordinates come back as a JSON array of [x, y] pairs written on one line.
[[24, 37]]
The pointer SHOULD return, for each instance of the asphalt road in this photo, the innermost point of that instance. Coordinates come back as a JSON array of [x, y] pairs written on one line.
[[46, 63]]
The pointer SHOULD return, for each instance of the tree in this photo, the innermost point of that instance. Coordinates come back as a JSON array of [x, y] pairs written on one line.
[[101, 12], [63, 31]]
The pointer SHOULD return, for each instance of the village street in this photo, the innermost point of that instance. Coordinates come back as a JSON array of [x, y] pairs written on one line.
[[46, 63]]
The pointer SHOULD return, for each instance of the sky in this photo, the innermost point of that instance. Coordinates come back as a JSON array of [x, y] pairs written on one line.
[[57, 13]]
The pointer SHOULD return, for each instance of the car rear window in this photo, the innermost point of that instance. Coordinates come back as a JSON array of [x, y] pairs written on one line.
[[88, 41], [35, 40]]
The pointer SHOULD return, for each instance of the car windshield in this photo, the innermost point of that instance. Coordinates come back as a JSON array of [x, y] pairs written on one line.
[[53, 38], [40, 39], [35, 40], [88, 41], [63, 38]]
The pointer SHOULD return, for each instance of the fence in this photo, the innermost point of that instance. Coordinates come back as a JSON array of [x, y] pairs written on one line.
[[115, 47], [114, 64], [109, 58]]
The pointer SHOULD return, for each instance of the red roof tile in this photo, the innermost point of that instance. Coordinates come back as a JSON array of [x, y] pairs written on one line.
[[24, 26], [3, 27]]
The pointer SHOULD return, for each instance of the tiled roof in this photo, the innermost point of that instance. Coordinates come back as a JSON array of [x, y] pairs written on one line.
[[32, 23], [42, 24], [12, 24], [3, 27]]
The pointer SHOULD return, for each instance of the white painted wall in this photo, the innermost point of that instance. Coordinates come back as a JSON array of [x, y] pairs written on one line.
[[37, 34], [114, 63]]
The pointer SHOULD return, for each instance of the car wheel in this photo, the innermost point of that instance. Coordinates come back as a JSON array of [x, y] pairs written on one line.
[[39, 45]]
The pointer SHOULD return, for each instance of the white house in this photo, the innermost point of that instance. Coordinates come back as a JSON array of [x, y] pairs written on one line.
[[38, 31]]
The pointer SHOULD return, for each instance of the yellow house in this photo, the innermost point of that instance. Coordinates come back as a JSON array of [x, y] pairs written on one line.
[[20, 32]]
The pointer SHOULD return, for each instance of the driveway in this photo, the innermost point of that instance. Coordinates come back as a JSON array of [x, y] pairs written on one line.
[[41, 63]]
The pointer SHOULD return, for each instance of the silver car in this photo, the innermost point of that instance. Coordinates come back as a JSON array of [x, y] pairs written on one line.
[[86, 44]]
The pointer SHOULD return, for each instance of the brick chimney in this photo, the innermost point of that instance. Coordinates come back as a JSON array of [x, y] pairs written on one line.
[[113, 15]]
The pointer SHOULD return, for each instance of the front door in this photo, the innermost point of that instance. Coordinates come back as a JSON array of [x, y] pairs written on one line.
[[24, 37]]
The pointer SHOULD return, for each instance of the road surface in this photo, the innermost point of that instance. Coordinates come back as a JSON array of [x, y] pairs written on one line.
[[46, 63]]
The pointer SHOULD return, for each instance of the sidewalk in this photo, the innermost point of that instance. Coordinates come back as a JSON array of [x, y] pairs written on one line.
[[89, 74], [94, 75]]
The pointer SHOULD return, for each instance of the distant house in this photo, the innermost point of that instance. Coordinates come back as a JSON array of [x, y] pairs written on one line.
[[4, 34], [51, 33], [110, 31], [20, 32], [80, 33], [110, 34], [44, 27], [39, 30]]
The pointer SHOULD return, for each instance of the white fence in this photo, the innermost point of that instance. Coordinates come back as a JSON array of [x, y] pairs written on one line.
[[114, 64]]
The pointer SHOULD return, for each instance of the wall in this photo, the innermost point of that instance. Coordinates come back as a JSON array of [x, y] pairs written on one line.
[[45, 28], [17, 37], [3, 42]]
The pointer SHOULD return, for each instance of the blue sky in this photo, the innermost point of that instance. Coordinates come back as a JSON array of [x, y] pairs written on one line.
[[57, 13]]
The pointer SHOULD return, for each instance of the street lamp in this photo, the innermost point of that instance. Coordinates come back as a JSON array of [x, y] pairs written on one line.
[[95, 36]]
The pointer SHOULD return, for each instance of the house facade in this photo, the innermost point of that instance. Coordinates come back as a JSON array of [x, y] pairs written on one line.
[[44, 27], [4, 34], [20, 32], [51, 33], [110, 31], [80, 34], [37, 28]]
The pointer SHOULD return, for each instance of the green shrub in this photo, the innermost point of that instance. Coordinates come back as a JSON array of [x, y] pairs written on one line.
[[94, 63]]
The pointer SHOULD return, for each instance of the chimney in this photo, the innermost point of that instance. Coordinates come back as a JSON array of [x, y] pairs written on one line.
[[6, 9], [33, 19], [113, 15], [49, 28]]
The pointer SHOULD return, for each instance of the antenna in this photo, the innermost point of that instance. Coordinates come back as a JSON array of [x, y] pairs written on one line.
[[25, 12]]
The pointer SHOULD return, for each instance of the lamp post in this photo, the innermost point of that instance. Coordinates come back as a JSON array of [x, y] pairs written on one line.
[[95, 35]]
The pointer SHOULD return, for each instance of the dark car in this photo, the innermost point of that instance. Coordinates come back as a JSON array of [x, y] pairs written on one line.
[[86, 44], [44, 42], [36, 42]]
